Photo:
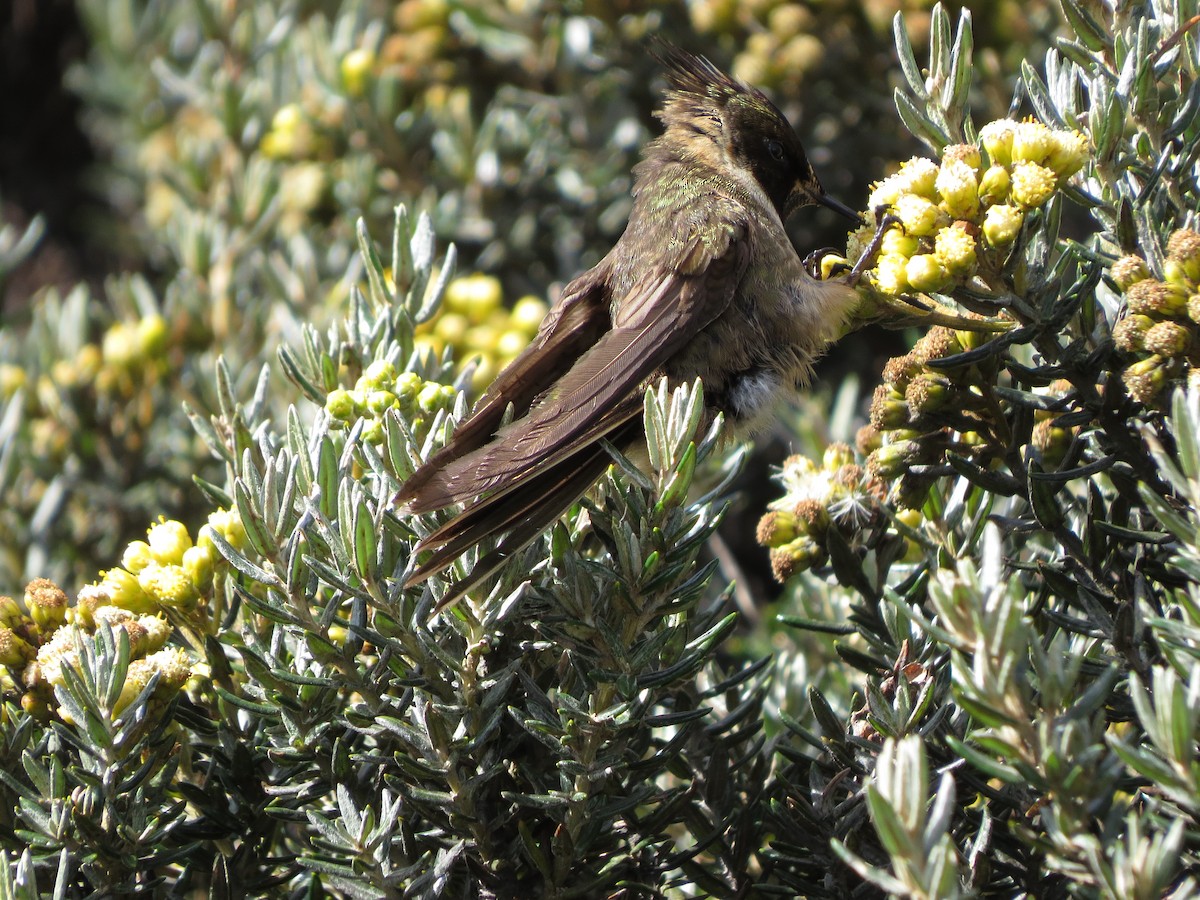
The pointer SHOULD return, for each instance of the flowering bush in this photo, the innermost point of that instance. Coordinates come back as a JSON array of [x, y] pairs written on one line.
[[980, 676]]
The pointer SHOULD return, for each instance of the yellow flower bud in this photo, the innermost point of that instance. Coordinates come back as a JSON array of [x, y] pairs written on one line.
[[1184, 247], [476, 296], [47, 604], [966, 153], [892, 460], [954, 249], [528, 313], [229, 524], [1001, 224], [199, 563], [1157, 299], [137, 556], [919, 176], [1032, 142], [51, 656], [168, 541], [1129, 334], [451, 327], [994, 186], [832, 264], [11, 613], [340, 405], [481, 338], [1032, 184], [812, 518], [1173, 271], [997, 140], [1128, 271], [776, 528], [885, 193], [836, 456], [1145, 378], [890, 274], [125, 591], [918, 216], [430, 398], [372, 432], [899, 370], [1068, 152], [408, 386], [429, 344], [956, 182], [170, 585], [1168, 339], [121, 346], [888, 409], [90, 598], [15, 651], [157, 632], [798, 467], [1050, 441], [928, 393], [379, 375], [795, 557], [867, 439], [510, 343], [12, 379], [859, 240], [924, 273], [379, 402], [895, 242], [937, 343]]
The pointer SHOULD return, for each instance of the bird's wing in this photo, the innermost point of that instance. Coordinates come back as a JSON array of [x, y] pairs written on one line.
[[575, 323], [658, 316], [523, 510]]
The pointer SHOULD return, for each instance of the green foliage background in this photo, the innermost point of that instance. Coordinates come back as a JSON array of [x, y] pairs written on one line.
[[995, 697]]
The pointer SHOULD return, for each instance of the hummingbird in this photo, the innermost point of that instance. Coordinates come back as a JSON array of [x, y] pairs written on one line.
[[703, 283]]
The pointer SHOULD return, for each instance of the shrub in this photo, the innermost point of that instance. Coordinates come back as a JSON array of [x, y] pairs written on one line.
[[980, 678]]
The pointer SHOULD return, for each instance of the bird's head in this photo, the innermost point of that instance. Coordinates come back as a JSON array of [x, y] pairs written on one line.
[[711, 118]]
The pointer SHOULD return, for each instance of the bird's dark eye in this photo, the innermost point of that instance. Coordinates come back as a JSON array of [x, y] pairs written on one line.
[[775, 149]]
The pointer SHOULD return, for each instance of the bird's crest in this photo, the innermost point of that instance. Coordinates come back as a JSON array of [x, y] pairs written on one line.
[[697, 87]]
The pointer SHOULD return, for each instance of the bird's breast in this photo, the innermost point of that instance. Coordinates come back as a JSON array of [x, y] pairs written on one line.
[[761, 350]]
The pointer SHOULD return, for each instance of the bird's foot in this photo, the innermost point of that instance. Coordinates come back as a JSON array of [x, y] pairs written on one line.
[[871, 253], [813, 263]]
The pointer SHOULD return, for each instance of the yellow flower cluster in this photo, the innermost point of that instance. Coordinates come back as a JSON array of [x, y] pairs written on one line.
[[957, 217], [130, 357], [785, 47], [38, 639], [381, 388], [421, 49], [836, 494], [474, 322], [1161, 325], [166, 571], [919, 411]]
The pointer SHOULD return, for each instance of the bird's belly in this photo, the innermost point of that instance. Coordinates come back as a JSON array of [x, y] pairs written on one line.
[[761, 351]]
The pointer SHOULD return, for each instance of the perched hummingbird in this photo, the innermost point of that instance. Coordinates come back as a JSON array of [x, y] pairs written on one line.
[[703, 283]]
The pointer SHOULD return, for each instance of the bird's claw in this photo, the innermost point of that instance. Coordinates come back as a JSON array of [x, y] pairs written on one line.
[[883, 221], [812, 262]]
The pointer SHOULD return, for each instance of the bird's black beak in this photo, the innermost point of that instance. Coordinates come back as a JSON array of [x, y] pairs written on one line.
[[839, 207]]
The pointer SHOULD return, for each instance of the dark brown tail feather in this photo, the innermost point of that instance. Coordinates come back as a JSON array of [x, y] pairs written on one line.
[[523, 513]]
